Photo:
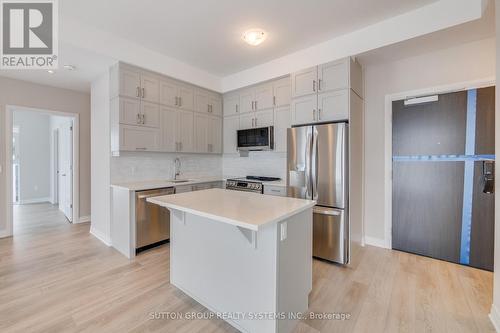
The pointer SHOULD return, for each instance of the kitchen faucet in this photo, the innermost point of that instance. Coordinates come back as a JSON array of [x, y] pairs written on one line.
[[177, 168]]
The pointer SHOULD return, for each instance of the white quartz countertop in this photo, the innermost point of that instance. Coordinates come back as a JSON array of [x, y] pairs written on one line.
[[243, 209], [161, 183]]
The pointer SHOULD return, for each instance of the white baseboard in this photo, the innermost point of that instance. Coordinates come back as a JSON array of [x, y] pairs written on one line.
[[83, 219], [33, 201], [495, 317], [100, 236], [4, 233], [378, 242]]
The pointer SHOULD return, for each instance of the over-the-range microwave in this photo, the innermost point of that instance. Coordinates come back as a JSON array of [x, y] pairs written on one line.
[[256, 138]]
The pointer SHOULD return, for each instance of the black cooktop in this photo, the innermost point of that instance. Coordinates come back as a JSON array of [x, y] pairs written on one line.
[[263, 179]]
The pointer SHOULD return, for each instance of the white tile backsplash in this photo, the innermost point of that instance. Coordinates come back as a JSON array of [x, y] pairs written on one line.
[[148, 166], [259, 163], [137, 166]]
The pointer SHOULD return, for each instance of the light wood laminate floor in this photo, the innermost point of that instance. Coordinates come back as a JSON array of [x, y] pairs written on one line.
[[56, 277]]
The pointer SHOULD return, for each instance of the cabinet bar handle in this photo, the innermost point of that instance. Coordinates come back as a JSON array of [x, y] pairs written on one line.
[[143, 119], [255, 122], [176, 103], [319, 114], [314, 114], [143, 92], [314, 85], [140, 148], [180, 101], [137, 92], [138, 118], [274, 100], [236, 108], [319, 84]]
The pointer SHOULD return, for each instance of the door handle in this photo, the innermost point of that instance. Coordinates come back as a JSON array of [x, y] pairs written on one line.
[[488, 177], [307, 173]]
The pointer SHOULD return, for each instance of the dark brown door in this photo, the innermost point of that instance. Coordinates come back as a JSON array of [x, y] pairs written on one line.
[[443, 152]]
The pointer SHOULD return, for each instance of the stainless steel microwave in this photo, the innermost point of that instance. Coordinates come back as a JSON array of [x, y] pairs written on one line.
[[256, 138]]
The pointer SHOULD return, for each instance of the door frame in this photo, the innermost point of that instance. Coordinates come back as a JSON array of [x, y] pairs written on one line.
[[55, 166], [9, 111], [436, 90]]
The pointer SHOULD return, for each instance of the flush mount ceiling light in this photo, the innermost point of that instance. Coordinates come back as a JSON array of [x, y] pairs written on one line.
[[254, 36], [69, 67]]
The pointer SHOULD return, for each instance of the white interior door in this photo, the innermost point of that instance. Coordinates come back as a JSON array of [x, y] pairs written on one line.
[[66, 169]]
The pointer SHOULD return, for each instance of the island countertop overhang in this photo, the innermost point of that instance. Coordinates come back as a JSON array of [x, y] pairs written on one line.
[[242, 209]]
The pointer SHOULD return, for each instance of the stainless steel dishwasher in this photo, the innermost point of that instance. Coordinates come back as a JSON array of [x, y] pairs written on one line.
[[152, 221]]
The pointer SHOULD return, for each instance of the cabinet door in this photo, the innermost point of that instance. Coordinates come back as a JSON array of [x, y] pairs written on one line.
[[215, 102], [304, 82], [150, 114], [282, 122], [136, 138], [333, 105], [264, 118], [200, 133], [186, 97], [214, 135], [231, 105], [201, 101], [169, 128], [130, 110], [130, 83], [333, 75], [150, 86], [168, 93], [263, 97], [246, 100], [231, 126], [185, 131], [247, 120], [304, 109], [282, 92]]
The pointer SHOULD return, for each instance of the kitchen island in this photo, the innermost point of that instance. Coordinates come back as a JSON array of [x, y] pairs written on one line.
[[244, 256]]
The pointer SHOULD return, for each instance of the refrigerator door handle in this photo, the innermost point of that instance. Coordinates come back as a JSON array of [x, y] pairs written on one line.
[[309, 192], [314, 164]]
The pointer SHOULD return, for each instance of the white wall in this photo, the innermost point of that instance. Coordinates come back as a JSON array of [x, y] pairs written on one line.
[[269, 164], [495, 310], [144, 166], [34, 155], [21, 93], [100, 159], [467, 62]]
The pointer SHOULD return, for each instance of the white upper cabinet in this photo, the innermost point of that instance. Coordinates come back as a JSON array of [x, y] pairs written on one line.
[[282, 121], [185, 97], [333, 105], [304, 82], [201, 101], [215, 104], [304, 109], [129, 110], [247, 100], [247, 120], [176, 94], [201, 133], [150, 113], [214, 135], [231, 126], [264, 118], [264, 98], [282, 92], [231, 105], [129, 83], [150, 88], [185, 134], [333, 75], [169, 126], [169, 93], [135, 138]]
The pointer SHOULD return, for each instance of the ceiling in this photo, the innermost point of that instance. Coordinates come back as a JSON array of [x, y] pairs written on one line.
[[207, 34], [443, 39], [89, 66]]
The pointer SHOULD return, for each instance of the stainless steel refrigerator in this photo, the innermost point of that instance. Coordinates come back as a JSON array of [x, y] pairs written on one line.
[[318, 169]]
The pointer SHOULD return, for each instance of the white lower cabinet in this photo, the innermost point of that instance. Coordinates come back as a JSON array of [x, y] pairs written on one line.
[[333, 106], [304, 109], [230, 128], [282, 122], [136, 138]]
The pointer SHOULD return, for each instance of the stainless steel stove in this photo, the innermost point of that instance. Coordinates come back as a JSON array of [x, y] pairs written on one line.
[[249, 183]]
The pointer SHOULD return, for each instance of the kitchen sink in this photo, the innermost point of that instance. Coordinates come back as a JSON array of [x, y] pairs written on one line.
[[178, 181]]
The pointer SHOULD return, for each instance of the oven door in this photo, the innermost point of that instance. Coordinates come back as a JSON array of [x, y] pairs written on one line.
[[256, 138]]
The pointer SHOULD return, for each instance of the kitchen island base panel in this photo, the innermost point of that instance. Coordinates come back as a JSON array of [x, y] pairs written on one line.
[[244, 273]]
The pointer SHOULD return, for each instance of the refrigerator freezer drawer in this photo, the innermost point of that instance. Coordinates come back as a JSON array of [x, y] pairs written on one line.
[[330, 234]]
